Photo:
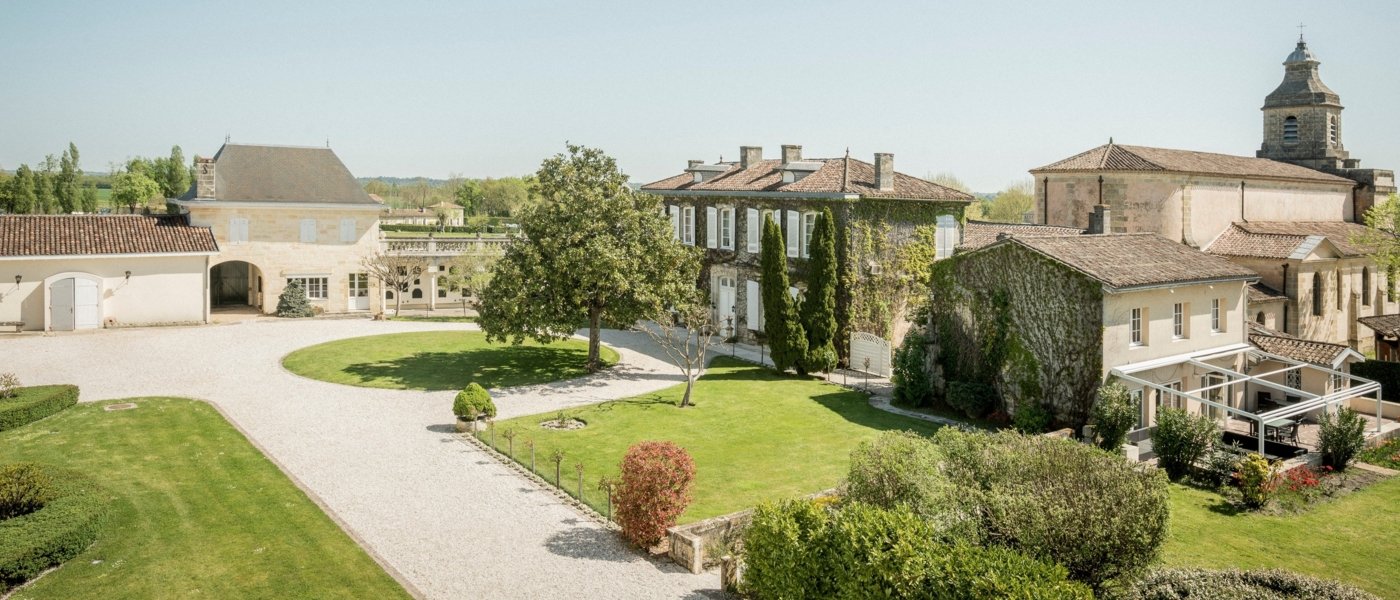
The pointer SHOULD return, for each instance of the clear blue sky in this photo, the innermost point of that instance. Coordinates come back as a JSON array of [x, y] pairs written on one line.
[[985, 90]]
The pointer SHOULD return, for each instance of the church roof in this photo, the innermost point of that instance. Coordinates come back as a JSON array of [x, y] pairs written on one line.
[[1302, 85], [1119, 157], [1287, 239], [832, 176], [251, 173]]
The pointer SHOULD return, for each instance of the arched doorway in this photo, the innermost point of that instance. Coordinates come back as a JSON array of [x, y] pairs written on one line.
[[75, 302], [235, 284]]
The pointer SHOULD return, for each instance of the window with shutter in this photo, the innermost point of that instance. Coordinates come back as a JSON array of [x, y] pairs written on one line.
[[308, 231], [238, 230], [347, 231], [675, 222], [946, 236], [809, 223], [688, 226], [711, 227], [792, 233], [753, 229], [753, 302]]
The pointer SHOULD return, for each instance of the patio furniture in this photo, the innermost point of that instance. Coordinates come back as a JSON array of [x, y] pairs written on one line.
[[1281, 427]]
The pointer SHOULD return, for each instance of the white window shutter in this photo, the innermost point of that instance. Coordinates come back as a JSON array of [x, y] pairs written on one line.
[[308, 231], [347, 230], [676, 222], [753, 230], [753, 301], [793, 291], [794, 227], [711, 232]]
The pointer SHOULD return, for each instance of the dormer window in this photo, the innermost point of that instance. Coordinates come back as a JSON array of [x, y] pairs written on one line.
[[1290, 129], [794, 171], [702, 172]]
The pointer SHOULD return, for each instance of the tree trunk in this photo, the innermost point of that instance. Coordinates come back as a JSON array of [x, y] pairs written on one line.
[[595, 320], [689, 385], [398, 302]]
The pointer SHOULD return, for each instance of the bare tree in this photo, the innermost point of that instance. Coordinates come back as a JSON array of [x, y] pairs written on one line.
[[685, 334], [396, 272]]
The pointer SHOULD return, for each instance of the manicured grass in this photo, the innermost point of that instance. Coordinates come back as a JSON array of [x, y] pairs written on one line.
[[440, 360], [1351, 539], [435, 319], [755, 436], [198, 512]]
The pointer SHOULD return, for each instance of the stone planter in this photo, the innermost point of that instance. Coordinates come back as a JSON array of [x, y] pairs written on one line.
[[464, 425]]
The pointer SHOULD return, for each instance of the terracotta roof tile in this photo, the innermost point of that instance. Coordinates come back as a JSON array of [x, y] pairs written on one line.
[[1289, 346], [1130, 260], [1259, 292], [73, 235], [978, 234], [835, 176], [1281, 239], [1118, 157], [1388, 325]]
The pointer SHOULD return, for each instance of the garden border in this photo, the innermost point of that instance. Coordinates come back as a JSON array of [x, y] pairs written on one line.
[[66, 526], [24, 411]]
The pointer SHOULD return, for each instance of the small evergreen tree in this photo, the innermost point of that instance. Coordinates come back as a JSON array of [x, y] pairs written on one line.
[[819, 304], [293, 302], [786, 339], [1113, 416], [912, 386]]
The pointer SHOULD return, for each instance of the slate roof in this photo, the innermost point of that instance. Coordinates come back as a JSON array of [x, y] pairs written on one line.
[[1118, 157], [1286, 239], [1387, 325], [78, 235], [978, 234], [248, 173], [1259, 292], [1131, 260], [835, 176], [1296, 348]]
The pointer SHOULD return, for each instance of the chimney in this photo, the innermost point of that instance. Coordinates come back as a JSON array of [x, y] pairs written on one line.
[[1101, 220], [750, 156], [203, 177], [690, 164], [791, 153], [884, 171]]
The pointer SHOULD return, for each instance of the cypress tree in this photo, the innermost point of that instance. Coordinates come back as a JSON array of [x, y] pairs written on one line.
[[786, 339], [819, 304], [22, 199]]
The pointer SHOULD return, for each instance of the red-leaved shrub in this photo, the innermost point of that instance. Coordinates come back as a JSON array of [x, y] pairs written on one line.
[[653, 491]]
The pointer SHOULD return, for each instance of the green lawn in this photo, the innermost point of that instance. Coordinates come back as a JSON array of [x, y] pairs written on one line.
[[440, 360], [1351, 539], [199, 512], [754, 435]]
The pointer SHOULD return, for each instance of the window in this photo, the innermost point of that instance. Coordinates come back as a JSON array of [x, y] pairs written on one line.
[[1294, 378], [1317, 294], [809, 224], [794, 237], [1331, 130], [1337, 382], [675, 221], [753, 305], [726, 228], [1339, 289], [347, 231], [1215, 316], [945, 236], [238, 230], [1216, 395], [1135, 327], [315, 286], [1365, 286], [417, 293], [1166, 399], [1178, 320], [1259, 318], [753, 229], [1136, 395], [688, 226], [442, 292], [1290, 130], [308, 231]]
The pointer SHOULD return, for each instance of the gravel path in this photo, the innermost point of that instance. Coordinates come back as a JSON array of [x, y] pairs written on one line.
[[450, 520]]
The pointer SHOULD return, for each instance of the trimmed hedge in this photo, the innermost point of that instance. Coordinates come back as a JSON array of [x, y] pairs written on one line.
[[1383, 372], [34, 403], [473, 399], [1271, 584], [66, 525]]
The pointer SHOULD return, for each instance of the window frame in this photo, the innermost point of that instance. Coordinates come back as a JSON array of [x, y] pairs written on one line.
[[322, 282], [688, 225], [1366, 286], [1317, 294], [726, 227], [1215, 320], [945, 236], [809, 225], [1135, 336], [1290, 130], [1179, 321]]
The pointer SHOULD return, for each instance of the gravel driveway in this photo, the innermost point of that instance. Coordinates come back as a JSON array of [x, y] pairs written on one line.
[[450, 520]]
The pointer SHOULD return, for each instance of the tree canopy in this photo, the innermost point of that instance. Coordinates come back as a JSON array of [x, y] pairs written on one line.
[[1380, 236]]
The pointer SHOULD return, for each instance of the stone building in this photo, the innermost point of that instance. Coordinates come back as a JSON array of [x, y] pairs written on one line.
[[890, 225], [283, 213], [442, 214]]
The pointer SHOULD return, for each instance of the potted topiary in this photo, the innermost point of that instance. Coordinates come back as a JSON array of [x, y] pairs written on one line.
[[472, 403]]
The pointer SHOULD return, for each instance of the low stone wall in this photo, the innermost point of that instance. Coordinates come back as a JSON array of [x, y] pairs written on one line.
[[689, 543]]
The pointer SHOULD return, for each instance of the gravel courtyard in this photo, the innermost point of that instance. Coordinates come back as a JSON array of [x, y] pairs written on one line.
[[450, 521]]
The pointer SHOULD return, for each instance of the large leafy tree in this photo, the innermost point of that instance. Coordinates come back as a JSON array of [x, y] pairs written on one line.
[[786, 338], [133, 188], [1382, 237], [593, 251], [172, 174], [21, 196], [819, 303]]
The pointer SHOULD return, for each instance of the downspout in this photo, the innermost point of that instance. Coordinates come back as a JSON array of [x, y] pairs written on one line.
[[1285, 297], [1242, 217], [1045, 200]]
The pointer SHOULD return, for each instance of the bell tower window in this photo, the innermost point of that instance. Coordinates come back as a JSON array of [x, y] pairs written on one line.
[[1331, 130], [1290, 129]]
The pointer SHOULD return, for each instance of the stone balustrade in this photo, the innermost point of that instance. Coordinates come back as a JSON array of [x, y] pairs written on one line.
[[435, 246]]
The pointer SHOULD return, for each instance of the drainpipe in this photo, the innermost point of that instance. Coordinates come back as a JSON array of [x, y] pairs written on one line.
[[1285, 294], [1045, 201], [1242, 217]]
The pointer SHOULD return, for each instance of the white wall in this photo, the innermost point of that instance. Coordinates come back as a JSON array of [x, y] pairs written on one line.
[[163, 290], [1160, 342]]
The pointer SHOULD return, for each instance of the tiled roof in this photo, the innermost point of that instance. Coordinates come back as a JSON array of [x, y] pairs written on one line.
[[978, 234], [1286, 239], [1288, 346], [835, 176], [247, 173], [1117, 157], [1388, 325], [1259, 292], [76, 235], [1131, 260]]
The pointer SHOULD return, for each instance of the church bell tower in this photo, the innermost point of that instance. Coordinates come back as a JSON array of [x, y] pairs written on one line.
[[1303, 117]]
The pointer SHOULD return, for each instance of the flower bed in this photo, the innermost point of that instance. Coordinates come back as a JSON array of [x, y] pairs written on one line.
[[1385, 455]]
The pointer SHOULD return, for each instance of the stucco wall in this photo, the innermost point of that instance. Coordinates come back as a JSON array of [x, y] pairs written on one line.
[[162, 290], [1160, 341], [274, 246]]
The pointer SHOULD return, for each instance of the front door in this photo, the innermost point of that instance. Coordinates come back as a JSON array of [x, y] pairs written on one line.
[[725, 304], [359, 291], [74, 304], [61, 316]]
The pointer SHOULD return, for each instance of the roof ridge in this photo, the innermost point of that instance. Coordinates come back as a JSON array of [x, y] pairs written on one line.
[[1142, 158]]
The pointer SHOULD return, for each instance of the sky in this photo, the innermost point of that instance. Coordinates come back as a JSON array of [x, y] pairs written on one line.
[[983, 90]]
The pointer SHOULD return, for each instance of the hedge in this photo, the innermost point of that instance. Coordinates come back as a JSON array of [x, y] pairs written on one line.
[[63, 528], [473, 402], [34, 403], [1270, 584], [1383, 372]]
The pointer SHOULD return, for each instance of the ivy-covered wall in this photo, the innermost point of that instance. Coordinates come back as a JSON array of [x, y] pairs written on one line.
[[1028, 326]]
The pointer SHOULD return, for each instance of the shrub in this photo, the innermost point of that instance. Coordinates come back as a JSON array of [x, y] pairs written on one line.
[[912, 386], [1258, 479], [66, 525], [1271, 584], [1340, 437], [473, 402], [33, 403], [293, 303], [974, 399], [24, 488], [653, 491], [9, 385], [801, 550], [1180, 440], [1221, 466], [900, 468], [1031, 418], [1113, 416]]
